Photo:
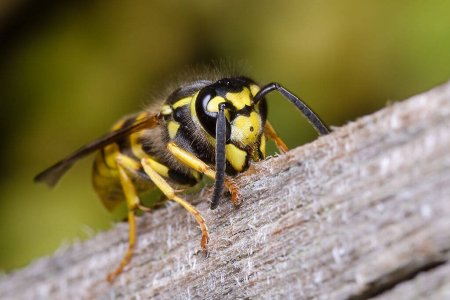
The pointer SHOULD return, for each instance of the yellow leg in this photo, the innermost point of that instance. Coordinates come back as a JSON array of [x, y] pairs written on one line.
[[124, 163], [271, 133], [162, 184], [198, 165]]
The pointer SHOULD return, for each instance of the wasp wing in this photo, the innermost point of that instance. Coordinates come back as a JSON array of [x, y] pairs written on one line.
[[52, 175]]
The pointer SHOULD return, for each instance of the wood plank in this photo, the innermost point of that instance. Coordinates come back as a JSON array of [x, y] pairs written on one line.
[[362, 212]]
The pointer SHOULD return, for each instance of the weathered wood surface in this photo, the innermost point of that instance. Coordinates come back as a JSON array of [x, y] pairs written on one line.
[[363, 212]]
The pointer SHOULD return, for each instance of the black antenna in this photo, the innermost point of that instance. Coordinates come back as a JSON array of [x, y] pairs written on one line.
[[310, 115], [221, 136]]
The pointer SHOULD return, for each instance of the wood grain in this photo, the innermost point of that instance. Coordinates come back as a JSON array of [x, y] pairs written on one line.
[[363, 212]]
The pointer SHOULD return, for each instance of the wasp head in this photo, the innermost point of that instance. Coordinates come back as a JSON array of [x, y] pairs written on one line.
[[245, 119]]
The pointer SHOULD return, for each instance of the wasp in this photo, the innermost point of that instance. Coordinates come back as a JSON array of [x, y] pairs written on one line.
[[213, 127]]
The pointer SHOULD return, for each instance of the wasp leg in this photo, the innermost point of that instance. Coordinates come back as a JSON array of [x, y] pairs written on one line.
[[125, 164], [144, 208], [271, 133], [162, 184], [198, 165]]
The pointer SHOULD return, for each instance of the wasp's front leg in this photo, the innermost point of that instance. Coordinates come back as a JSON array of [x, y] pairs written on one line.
[[193, 162]]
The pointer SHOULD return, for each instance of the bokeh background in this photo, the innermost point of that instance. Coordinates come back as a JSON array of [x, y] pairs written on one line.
[[69, 69]]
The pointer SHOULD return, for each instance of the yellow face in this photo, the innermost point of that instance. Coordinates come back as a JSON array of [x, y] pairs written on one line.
[[246, 130], [245, 120]]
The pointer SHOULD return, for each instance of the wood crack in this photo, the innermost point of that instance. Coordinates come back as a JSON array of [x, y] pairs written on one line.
[[390, 281]]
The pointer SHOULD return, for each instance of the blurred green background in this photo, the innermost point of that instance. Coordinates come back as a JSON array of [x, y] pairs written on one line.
[[69, 69]]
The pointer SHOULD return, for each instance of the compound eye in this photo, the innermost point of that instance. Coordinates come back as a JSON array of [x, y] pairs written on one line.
[[207, 107]]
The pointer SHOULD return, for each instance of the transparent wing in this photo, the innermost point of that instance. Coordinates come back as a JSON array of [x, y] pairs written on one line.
[[52, 175]]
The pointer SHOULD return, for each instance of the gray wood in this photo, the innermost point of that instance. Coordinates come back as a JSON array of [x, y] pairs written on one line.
[[363, 212]]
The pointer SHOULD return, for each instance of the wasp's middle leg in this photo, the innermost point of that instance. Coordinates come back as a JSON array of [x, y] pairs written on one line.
[[126, 165]]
